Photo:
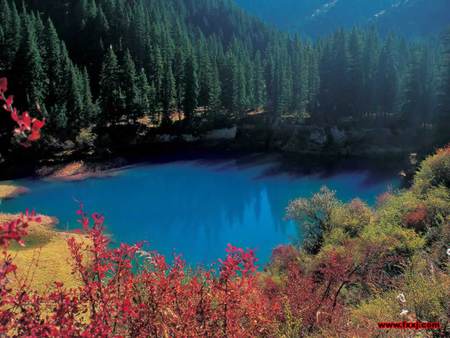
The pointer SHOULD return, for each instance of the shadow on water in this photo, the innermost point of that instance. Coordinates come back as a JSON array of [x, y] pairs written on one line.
[[196, 205]]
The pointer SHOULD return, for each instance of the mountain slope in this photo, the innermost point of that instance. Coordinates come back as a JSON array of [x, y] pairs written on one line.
[[98, 67], [318, 17]]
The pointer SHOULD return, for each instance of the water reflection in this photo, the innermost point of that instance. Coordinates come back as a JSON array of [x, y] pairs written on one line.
[[196, 207]]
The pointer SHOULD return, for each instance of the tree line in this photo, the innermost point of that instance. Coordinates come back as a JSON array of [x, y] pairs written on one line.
[[100, 62]]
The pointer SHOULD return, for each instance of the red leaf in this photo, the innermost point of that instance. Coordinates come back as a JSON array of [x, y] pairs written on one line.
[[14, 115], [26, 120], [9, 101], [34, 136], [3, 85], [37, 124]]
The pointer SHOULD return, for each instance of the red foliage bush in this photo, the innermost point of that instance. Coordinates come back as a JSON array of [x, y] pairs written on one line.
[[283, 256], [128, 292], [417, 218], [28, 129]]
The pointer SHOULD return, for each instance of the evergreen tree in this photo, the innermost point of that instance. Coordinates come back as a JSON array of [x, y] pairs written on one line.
[[53, 61], [259, 85], [415, 90], [146, 95], [207, 54], [356, 73], [110, 94], [75, 101], [29, 64], [167, 92], [91, 109], [191, 87], [387, 79], [443, 119], [128, 83]]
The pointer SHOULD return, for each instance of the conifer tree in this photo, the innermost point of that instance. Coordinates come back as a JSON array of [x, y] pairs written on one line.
[[128, 83], [91, 109], [110, 93], [387, 78], [146, 95], [167, 92], [29, 65], [53, 61], [191, 87], [356, 73], [75, 101], [443, 119]]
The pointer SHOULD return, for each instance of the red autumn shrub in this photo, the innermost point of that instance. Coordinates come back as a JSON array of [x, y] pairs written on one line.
[[381, 199], [126, 291], [283, 256], [417, 218], [28, 128]]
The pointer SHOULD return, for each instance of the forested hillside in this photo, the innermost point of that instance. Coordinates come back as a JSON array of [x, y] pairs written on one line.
[[315, 18], [97, 65]]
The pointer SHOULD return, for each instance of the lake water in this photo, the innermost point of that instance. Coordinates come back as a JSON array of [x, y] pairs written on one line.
[[196, 207]]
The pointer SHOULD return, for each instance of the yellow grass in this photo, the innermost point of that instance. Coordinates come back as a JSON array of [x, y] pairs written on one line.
[[9, 191], [71, 169], [45, 257]]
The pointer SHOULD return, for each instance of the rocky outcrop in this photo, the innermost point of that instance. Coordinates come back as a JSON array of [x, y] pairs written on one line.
[[336, 141]]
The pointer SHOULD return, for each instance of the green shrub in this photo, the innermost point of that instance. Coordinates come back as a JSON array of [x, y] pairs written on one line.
[[434, 171]]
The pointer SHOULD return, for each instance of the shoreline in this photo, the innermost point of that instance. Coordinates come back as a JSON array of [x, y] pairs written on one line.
[[43, 243], [246, 142], [9, 191], [79, 169]]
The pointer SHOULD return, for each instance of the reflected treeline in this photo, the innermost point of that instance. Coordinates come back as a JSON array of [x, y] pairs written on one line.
[[197, 207]]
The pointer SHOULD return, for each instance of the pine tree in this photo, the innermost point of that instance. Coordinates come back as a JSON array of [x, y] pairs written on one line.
[[12, 34], [91, 109], [370, 66], [167, 92], [260, 85], [230, 90], [191, 87], [214, 102], [356, 73], [415, 91], [29, 65], [146, 97], [53, 61], [179, 69], [205, 79], [312, 60], [110, 94], [128, 83], [387, 79], [443, 119], [339, 80], [75, 101]]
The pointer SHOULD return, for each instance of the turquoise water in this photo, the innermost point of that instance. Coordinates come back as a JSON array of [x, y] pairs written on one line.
[[195, 208]]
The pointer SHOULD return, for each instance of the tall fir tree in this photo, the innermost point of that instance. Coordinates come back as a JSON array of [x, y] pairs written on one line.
[[191, 87], [167, 92], [443, 117], [111, 98], [128, 81], [29, 64]]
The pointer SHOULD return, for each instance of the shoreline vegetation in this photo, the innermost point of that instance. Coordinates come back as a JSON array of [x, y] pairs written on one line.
[[357, 266], [354, 93], [78, 171], [37, 266], [8, 191]]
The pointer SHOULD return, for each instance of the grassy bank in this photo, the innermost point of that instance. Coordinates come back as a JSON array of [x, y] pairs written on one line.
[[45, 258], [10, 191]]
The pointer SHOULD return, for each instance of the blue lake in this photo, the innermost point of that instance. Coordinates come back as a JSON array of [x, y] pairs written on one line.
[[196, 207]]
